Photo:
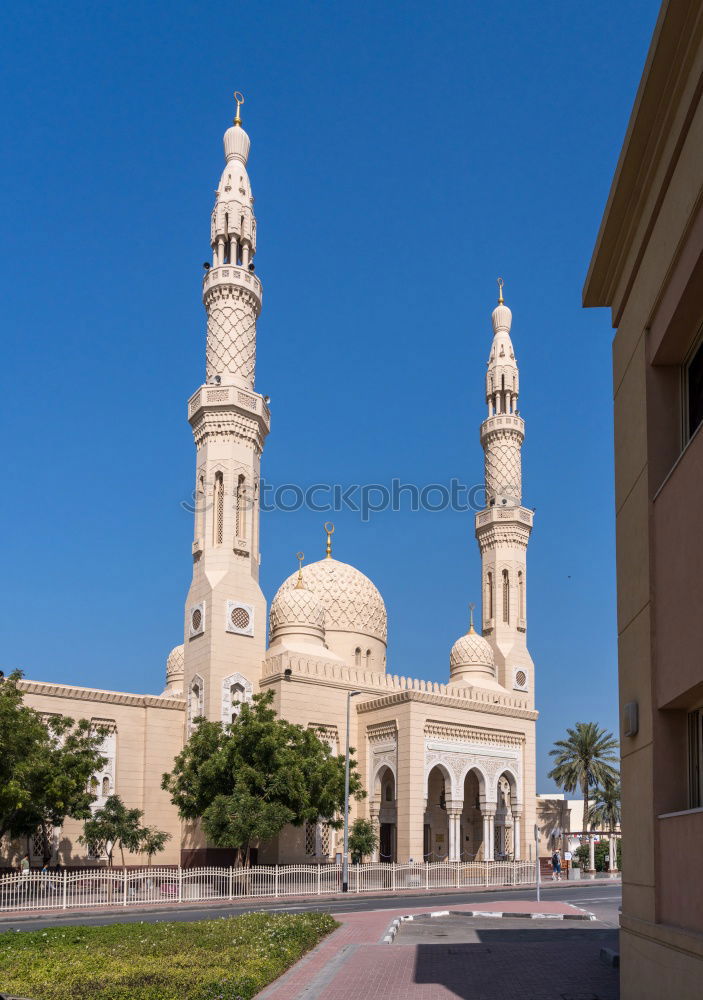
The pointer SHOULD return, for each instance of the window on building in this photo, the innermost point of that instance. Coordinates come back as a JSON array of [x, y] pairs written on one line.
[[200, 506], [489, 596], [106, 786], [239, 508], [218, 508], [310, 839], [357, 657], [237, 696], [694, 390], [506, 596], [521, 594], [368, 659], [695, 759]]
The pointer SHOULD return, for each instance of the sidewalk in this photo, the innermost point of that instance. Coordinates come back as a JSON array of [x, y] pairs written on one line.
[[354, 962]]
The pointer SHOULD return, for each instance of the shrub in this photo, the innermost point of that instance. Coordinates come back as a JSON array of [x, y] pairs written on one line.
[[232, 958]]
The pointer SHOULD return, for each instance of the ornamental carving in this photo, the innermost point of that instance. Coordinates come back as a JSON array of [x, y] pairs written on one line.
[[382, 732], [458, 763], [471, 734]]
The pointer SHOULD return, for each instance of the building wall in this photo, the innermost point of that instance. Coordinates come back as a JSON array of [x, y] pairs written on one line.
[[148, 735], [648, 267]]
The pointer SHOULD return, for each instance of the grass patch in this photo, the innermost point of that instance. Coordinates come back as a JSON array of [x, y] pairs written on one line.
[[227, 959]]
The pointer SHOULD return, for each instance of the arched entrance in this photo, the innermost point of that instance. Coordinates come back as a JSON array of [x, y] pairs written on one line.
[[436, 826], [472, 817], [386, 806], [507, 819]]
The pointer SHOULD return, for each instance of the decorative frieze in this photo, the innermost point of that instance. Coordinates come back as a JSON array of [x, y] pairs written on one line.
[[457, 733], [382, 732]]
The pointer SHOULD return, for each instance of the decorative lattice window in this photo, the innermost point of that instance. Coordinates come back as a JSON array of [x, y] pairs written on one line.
[[97, 850], [37, 844], [521, 594], [310, 839], [240, 618], [325, 839], [219, 509], [506, 596], [240, 508], [520, 679], [197, 619], [489, 595]]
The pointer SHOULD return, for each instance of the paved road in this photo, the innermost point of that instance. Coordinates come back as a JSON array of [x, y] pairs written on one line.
[[601, 898]]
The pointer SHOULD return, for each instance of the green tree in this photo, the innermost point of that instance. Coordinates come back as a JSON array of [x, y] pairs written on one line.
[[153, 842], [117, 826], [584, 760], [600, 855], [363, 839], [45, 766], [247, 780], [605, 812]]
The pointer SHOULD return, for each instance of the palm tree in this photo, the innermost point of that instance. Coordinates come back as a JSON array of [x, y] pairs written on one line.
[[585, 760], [606, 812]]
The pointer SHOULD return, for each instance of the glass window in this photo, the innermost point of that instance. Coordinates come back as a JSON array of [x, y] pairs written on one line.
[[695, 759], [694, 391]]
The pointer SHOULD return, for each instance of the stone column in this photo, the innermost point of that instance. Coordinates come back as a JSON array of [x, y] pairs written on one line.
[[517, 850], [612, 864], [374, 810], [454, 811], [489, 835], [411, 786], [591, 854]]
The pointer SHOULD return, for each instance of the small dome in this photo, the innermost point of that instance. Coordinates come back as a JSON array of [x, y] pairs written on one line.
[[237, 144], [502, 319], [175, 669], [297, 606], [350, 601], [471, 653], [175, 663]]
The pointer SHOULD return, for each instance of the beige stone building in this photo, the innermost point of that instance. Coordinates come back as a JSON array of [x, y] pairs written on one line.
[[449, 768], [647, 267]]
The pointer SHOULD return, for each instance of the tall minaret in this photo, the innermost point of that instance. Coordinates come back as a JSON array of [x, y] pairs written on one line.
[[225, 615], [503, 527]]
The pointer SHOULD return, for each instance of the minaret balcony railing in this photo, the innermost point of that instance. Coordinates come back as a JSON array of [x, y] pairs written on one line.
[[229, 397], [499, 515], [502, 421], [233, 275]]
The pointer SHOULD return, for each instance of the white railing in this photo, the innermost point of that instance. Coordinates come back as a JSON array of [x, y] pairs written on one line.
[[76, 889]]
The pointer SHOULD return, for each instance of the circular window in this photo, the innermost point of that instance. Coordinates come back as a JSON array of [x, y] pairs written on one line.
[[196, 620], [240, 618], [521, 678]]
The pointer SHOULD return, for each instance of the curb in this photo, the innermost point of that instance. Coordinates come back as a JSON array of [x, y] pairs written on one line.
[[394, 927]]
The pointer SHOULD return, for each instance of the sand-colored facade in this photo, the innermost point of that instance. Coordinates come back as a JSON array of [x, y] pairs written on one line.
[[648, 268], [449, 768]]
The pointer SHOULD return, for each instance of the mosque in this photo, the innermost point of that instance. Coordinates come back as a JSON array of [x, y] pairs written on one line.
[[449, 768]]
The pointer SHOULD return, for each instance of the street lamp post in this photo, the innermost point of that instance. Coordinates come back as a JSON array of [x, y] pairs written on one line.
[[345, 856]]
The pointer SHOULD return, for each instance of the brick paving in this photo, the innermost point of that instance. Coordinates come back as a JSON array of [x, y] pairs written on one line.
[[352, 963]]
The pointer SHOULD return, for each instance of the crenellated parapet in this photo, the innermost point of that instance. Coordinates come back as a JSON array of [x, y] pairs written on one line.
[[328, 673]]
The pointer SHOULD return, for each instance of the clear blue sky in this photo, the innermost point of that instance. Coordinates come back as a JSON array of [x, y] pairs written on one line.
[[403, 156]]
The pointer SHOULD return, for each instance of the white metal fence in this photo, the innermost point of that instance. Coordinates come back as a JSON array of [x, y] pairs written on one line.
[[104, 887]]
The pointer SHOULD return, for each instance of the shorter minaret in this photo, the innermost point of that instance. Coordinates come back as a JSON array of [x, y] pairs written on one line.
[[503, 528]]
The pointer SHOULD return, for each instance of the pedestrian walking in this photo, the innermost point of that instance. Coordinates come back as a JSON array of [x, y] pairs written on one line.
[[24, 865], [556, 866]]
